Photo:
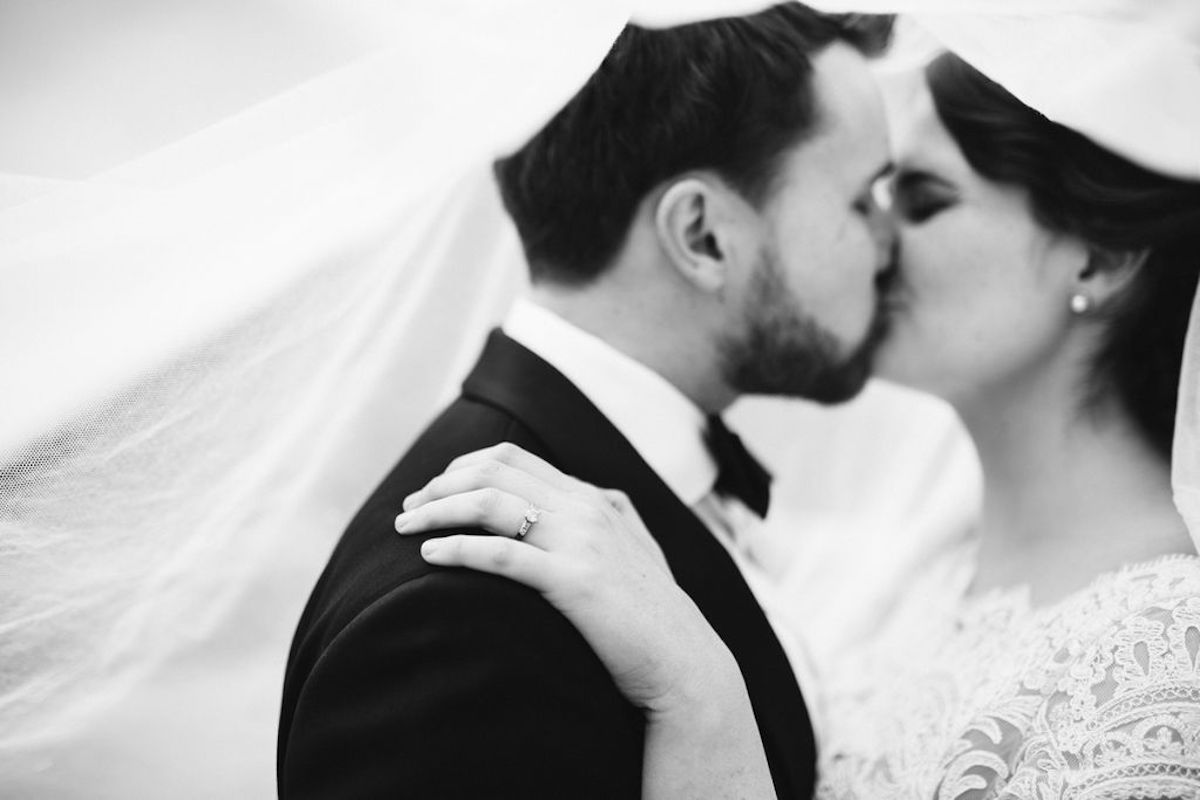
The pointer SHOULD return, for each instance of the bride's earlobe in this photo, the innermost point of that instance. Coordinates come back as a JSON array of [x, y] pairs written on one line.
[[687, 224]]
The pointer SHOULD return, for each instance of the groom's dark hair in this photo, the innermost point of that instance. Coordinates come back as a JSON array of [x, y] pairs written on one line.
[[731, 95]]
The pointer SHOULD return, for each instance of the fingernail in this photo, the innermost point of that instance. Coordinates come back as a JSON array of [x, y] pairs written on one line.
[[429, 547], [410, 501], [402, 521]]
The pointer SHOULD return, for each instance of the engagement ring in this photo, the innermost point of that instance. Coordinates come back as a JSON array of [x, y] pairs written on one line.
[[532, 514]]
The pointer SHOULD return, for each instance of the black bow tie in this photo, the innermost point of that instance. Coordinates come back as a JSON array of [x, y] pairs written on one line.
[[738, 473]]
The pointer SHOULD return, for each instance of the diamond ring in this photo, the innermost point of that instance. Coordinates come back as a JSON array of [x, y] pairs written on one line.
[[532, 515]]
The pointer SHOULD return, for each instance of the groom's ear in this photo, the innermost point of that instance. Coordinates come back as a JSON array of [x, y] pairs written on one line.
[[694, 221]]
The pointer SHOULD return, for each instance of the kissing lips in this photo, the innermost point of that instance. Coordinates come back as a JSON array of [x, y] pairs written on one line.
[[889, 289]]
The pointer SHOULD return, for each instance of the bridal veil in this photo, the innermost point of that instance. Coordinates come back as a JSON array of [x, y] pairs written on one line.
[[214, 346]]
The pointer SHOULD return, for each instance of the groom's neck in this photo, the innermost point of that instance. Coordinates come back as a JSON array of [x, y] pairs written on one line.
[[661, 332]]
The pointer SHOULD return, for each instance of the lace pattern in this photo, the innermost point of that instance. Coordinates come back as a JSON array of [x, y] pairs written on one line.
[[1094, 698]]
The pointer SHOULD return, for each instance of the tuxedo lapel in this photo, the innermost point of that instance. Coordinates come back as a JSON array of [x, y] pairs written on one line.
[[582, 442]]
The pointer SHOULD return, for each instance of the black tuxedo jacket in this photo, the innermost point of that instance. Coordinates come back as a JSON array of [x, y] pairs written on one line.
[[406, 680]]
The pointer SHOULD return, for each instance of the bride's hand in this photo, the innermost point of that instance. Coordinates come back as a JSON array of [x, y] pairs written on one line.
[[590, 556]]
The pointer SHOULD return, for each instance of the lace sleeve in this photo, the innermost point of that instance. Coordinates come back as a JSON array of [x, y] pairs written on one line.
[[1119, 716]]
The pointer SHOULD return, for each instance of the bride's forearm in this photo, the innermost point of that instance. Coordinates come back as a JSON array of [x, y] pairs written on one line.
[[706, 745]]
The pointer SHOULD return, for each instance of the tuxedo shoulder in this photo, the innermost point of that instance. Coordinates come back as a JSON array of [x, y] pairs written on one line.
[[403, 695], [371, 559], [453, 612]]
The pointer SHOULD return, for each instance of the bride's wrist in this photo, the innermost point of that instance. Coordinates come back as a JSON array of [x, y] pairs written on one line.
[[704, 712], [708, 688]]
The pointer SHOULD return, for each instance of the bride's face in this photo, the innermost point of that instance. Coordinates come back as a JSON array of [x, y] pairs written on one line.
[[982, 293]]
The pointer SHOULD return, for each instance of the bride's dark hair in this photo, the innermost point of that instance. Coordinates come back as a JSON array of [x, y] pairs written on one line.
[[1077, 187]]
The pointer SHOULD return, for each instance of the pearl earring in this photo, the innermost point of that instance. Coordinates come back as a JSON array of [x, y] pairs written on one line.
[[1080, 303]]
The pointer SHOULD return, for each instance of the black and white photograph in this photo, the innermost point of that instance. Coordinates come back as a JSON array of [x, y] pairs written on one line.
[[604, 399]]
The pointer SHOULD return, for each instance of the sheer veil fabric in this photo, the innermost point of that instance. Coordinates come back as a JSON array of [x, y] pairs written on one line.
[[215, 342], [213, 349]]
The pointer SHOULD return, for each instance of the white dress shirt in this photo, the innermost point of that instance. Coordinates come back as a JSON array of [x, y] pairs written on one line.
[[667, 430]]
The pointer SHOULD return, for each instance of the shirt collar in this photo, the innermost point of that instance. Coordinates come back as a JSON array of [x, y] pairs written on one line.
[[662, 424]]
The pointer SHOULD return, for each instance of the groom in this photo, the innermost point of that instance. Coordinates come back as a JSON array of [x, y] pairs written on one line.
[[699, 224]]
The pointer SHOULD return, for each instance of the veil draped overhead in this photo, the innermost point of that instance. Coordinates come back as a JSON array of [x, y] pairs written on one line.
[[211, 345]]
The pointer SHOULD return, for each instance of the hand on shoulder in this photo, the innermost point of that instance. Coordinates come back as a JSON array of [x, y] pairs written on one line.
[[588, 553]]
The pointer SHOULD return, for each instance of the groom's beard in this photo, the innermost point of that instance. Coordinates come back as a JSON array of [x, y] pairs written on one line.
[[782, 350]]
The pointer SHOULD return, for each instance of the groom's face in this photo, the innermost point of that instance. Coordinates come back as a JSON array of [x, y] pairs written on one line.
[[810, 312]]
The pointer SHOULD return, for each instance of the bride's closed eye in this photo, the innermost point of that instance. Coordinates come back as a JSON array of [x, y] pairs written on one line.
[[919, 196]]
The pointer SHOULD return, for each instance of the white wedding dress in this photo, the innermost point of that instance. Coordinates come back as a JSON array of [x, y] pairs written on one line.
[[965, 698]]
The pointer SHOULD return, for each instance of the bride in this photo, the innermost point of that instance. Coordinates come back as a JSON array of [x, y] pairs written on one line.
[[1044, 290]]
